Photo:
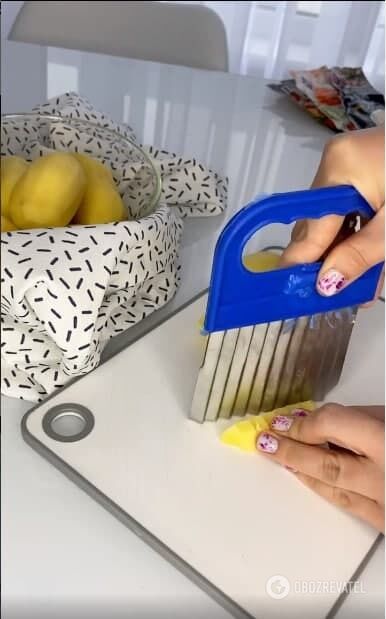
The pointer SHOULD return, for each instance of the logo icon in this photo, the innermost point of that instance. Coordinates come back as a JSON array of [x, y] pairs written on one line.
[[277, 587]]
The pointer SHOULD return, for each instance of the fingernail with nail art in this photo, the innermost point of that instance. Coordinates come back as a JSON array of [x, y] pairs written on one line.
[[330, 283], [267, 443], [281, 423], [299, 412]]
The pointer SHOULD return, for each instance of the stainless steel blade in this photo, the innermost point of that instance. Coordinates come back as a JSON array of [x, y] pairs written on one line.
[[255, 369], [299, 388], [249, 371], [206, 376], [236, 371], [292, 355], [276, 368], [266, 358], [221, 374], [343, 326], [324, 342]]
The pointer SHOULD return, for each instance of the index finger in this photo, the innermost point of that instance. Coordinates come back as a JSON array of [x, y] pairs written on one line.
[[310, 239], [345, 426]]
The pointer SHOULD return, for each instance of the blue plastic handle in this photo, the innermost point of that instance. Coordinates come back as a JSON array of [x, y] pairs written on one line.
[[239, 298]]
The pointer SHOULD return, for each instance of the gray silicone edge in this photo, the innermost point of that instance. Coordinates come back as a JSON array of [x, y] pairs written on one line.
[[354, 578], [133, 525]]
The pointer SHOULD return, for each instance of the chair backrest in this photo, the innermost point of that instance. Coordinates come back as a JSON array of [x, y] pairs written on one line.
[[171, 33]]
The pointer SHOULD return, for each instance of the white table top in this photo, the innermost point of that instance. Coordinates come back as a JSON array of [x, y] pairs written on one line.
[[61, 552]]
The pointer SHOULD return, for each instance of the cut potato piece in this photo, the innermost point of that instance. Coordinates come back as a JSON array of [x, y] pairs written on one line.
[[244, 433]]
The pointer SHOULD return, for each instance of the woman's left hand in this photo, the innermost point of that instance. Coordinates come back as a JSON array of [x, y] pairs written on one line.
[[337, 451]]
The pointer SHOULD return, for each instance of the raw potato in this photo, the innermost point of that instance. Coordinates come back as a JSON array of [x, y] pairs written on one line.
[[7, 225], [49, 193], [12, 169], [261, 261], [94, 167], [101, 204], [243, 434]]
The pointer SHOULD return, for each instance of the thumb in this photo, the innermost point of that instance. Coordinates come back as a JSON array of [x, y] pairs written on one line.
[[353, 257]]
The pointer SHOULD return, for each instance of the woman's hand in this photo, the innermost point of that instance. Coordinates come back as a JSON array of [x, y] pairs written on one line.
[[357, 159], [338, 452]]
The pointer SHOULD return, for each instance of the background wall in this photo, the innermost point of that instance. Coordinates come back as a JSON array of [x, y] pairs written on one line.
[[23, 67], [265, 39]]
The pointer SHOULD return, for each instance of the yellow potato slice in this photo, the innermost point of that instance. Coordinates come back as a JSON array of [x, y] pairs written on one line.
[[243, 434]]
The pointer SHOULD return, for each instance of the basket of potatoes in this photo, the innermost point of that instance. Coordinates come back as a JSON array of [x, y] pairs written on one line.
[[88, 248], [57, 172]]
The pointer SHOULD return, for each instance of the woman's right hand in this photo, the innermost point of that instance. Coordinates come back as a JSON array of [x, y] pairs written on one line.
[[358, 159]]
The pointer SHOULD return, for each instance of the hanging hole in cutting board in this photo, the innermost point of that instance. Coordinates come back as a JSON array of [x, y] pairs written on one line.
[[68, 422]]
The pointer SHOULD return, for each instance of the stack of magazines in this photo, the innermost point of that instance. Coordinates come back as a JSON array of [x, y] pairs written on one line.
[[340, 98]]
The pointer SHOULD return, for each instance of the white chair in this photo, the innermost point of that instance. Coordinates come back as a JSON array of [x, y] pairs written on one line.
[[170, 33]]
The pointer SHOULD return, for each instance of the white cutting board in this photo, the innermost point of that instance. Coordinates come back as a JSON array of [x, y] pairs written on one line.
[[228, 520]]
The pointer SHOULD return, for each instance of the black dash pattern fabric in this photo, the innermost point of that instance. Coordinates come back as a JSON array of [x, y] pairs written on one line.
[[66, 291]]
